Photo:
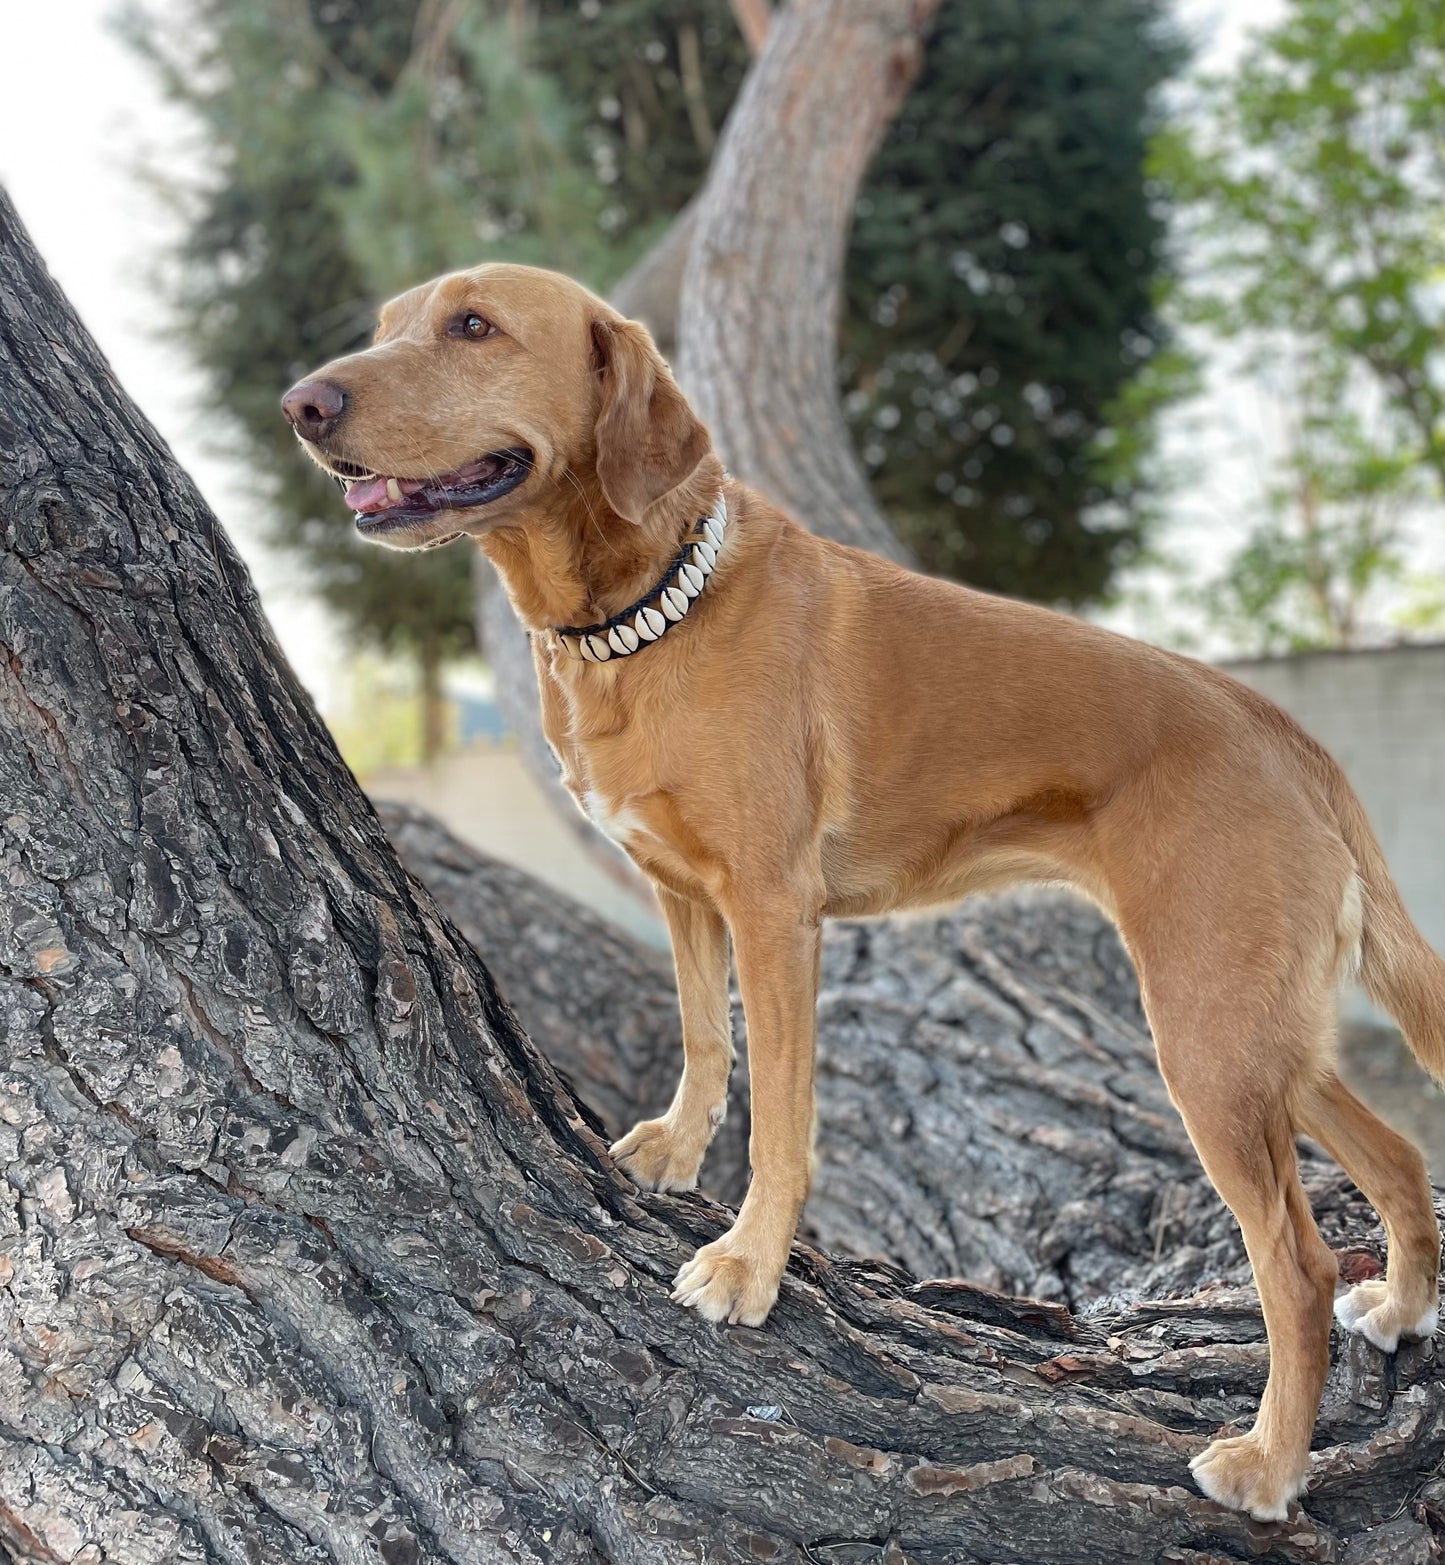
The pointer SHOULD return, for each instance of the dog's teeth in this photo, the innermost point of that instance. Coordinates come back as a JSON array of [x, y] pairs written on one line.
[[393, 489]]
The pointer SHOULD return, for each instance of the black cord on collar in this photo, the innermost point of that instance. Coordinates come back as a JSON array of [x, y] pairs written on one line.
[[631, 610], [658, 609]]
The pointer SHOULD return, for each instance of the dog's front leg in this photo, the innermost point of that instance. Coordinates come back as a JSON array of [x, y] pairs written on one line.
[[736, 1277], [666, 1153]]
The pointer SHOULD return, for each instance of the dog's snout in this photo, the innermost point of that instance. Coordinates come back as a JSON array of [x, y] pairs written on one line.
[[314, 408]]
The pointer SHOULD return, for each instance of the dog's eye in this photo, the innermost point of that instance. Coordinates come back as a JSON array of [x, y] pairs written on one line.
[[474, 326]]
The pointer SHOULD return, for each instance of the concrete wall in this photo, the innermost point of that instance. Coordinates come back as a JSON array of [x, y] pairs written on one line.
[[1382, 716]]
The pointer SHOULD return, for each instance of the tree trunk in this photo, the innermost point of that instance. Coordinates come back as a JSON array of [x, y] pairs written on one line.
[[307, 1255], [603, 1004], [762, 290], [433, 705]]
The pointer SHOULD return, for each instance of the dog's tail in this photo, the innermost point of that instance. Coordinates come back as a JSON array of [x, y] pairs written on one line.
[[1399, 969]]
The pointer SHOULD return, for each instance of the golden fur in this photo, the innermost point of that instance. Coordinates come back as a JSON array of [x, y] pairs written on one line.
[[827, 734]]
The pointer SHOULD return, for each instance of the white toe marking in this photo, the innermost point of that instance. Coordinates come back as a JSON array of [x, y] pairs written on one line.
[[1270, 1513], [1351, 1308], [1362, 1310], [1426, 1326]]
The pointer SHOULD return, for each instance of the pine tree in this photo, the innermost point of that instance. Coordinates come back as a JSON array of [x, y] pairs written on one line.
[[1005, 258]]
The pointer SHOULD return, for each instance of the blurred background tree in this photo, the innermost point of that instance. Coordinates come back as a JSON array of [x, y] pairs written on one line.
[[1001, 349], [1311, 190], [1002, 344]]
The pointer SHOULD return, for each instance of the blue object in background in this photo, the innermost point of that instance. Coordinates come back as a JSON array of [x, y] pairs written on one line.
[[479, 719]]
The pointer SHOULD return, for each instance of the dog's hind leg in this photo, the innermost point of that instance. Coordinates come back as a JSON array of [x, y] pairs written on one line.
[[1391, 1174], [1248, 1152], [1233, 1052], [667, 1153]]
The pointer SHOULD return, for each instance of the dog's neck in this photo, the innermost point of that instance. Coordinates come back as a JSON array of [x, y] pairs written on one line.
[[576, 562]]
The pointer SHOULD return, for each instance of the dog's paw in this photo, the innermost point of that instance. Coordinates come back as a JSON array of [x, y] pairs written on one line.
[[657, 1156], [725, 1280], [1369, 1310], [1241, 1474]]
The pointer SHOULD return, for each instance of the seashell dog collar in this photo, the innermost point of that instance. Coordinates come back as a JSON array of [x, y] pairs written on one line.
[[661, 607]]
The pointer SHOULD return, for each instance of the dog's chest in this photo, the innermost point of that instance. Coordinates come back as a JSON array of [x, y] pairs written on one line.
[[606, 772], [618, 819]]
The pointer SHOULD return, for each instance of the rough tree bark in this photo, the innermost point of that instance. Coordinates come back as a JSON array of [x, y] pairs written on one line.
[[308, 1255], [761, 291]]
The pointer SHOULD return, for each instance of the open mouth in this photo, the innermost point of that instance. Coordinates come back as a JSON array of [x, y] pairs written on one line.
[[386, 504]]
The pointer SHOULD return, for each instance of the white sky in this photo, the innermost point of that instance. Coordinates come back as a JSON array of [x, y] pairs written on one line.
[[79, 109]]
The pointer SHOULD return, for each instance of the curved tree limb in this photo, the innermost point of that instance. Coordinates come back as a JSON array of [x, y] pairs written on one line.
[[762, 290]]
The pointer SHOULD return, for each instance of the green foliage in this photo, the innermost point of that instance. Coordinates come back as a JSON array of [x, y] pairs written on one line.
[[651, 82], [999, 283], [1001, 291], [1331, 537], [1313, 186], [267, 284]]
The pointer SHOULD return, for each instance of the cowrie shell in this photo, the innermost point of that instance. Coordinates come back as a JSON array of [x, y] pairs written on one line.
[[690, 579], [570, 646], [704, 556], [674, 603], [622, 639], [596, 648], [650, 624]]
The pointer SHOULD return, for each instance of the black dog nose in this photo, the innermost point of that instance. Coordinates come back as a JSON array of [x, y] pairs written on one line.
[[314, 408]]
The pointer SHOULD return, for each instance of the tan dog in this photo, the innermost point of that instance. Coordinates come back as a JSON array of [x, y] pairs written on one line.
[[780, 730]]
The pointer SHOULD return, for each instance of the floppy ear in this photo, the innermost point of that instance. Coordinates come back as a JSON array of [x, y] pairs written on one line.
[[649, 441]]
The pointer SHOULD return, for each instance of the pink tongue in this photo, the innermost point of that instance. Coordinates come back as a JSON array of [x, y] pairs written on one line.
[[370, 494]]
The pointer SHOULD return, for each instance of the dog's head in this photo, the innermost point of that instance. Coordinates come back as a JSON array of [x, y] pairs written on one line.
[[487, 397]]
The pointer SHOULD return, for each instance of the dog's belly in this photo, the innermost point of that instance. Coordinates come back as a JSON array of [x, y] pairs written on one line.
[[935, 864]]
